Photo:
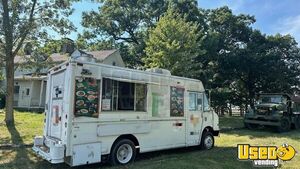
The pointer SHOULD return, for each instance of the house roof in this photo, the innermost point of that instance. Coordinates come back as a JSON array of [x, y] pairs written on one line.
[[21, 59], [102, 54], [58, 57]]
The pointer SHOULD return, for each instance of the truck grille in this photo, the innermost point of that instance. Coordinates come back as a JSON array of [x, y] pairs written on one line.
[[263, 111]]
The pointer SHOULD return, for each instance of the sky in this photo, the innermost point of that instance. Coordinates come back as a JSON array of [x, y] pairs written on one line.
[[272, 16]]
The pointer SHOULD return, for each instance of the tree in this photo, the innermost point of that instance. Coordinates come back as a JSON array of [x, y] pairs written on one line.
[[243, 61], [173, 45], [24, 21], [128, 21]]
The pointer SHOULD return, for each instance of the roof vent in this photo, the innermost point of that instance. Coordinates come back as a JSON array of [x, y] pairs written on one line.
[[160, 71]]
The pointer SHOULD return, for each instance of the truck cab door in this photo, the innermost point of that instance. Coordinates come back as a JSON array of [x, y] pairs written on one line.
[[194, 118], [207, 115]]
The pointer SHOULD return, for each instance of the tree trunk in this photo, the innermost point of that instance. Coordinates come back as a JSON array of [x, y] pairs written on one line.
[[230, 109], [9, 112], [241, 111], [9, 63]]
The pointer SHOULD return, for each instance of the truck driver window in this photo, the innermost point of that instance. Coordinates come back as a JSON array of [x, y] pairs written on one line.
[[195, 101], [296, 107], [177, 102], [192, 101], [118, 95], [199, 101], [86, 97], [205, 103]]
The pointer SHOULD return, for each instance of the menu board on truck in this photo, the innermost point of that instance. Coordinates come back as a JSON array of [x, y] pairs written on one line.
[[86, 97], [177, 101]]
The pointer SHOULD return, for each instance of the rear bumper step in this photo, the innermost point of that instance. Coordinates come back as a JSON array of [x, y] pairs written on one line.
[[54, 153]]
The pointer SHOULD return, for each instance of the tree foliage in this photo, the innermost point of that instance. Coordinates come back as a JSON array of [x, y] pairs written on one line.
[[245, 61], [173, 45], [128, 21], [25, 21], [232, 59]]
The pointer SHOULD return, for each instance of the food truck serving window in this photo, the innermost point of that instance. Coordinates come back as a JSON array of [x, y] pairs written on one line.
[[117, 95], [86, 97]]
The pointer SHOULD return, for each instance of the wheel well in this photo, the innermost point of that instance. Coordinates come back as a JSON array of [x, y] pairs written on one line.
[[129, 137], [210, 129]]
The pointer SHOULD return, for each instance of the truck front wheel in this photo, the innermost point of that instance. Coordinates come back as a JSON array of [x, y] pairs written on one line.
[[207, 141], [285, 125], [123, 152]]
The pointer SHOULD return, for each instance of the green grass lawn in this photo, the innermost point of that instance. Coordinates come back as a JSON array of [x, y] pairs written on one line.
[[227, 122], [27, 125], [222, 156]]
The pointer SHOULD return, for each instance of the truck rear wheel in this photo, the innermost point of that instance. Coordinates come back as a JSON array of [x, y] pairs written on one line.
[[123, 152], [285, 125], [207, 141], [297, 122]]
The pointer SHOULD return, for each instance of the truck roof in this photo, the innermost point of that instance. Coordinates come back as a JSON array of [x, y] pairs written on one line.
[[294, 98], [122, 68]]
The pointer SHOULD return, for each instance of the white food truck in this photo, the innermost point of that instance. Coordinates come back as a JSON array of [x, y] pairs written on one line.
[[95, 111]]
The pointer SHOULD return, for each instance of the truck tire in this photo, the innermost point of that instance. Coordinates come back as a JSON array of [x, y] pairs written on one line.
[[297, 122], [251, 126], [207, 141], [123, 152], [285, 125]]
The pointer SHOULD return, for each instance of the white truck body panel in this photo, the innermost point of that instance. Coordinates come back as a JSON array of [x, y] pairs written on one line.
[[86, 138]]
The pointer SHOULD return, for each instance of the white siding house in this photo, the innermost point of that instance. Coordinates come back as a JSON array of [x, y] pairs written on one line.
[[30, 85]]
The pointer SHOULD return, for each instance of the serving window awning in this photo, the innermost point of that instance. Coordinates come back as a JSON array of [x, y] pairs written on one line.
[[131, 80]]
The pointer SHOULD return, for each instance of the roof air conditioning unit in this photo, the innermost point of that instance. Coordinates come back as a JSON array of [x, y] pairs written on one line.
[[160, 71]]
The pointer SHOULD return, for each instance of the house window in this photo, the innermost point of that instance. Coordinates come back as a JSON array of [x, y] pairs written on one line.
[[119, 95], [27, 92], [177, 102], [16, 89]]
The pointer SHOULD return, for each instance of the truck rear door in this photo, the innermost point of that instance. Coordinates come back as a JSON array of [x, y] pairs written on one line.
[[56, 104]]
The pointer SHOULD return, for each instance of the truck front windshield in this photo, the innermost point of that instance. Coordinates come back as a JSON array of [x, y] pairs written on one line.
[[270, 99]]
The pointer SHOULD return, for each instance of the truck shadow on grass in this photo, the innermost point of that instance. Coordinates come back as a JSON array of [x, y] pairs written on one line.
[[21, 152], [191, 157]]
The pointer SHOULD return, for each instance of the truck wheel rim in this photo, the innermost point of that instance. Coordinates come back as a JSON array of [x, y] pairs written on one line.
[[124, 153], [208, 141]]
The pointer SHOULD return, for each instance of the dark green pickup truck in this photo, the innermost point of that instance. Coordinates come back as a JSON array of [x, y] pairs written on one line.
[[279, 110]]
